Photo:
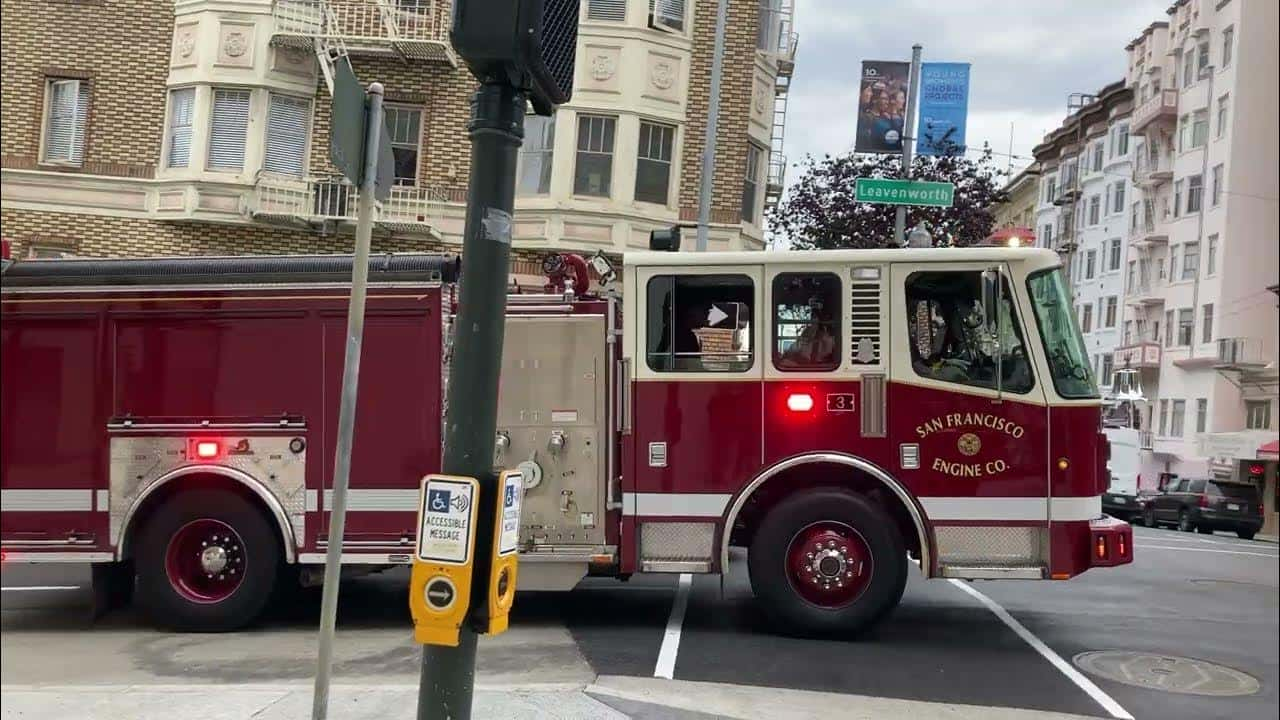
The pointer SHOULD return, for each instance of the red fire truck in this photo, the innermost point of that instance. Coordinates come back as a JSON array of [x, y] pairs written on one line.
[[840, 414]]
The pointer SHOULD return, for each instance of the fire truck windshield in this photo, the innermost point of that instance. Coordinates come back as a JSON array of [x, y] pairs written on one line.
[[1068, 360]]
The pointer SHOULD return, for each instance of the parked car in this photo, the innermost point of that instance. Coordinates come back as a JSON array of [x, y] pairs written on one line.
[[1207, 505]]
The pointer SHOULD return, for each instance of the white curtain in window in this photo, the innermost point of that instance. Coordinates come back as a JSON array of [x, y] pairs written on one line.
[[68, 113], [287, 135], [227, 129], [615, 10], [668, 14], [181, 105]]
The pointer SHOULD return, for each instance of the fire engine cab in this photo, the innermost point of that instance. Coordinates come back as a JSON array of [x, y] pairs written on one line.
[[839, 414]]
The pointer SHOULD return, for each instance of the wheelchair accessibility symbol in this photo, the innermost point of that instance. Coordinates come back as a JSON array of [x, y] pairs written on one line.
[[442, 500]]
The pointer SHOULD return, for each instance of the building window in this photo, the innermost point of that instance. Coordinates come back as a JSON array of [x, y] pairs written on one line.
[[1095, 209], [1046, 232], [1195, 193], [1176, 417], [1050, 190], [594, 172], [1129, 280], [667, 15], [404, 125], [1190, 260], [227, 129], [1120, 141], [1177, 198], [1223, 103], [1164, 417], [1228, 42], [653, 162], [1257, 414], [1098, 150], [611, 10], [1206, 323], [1090, 264], [1202, 414], [1211, 262], [1113, 255], [700, 323], [1117, 197], [1188, 67], [1202, 58], [1086, 318], [1109, 314], [1186, 322], [1199, 128], [533, 166], [286, 149], [66, 114], [1216, 188], [806, 321], [751, 183], [181, 104], [1108, 368], [1168, 328]]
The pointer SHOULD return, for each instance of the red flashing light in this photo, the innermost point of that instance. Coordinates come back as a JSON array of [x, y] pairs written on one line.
[[1121, 542], [799, 402], [206, 449], [1257, 469]]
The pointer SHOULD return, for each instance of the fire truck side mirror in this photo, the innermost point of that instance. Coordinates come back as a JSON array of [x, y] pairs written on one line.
[[991, 300]]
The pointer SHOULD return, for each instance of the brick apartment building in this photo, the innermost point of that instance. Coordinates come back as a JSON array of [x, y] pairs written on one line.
[[173, 127]]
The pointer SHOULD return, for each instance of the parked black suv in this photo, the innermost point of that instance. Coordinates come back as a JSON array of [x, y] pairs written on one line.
[[1207, 505]]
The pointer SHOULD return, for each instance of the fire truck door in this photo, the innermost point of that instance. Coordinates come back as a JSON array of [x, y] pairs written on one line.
[[697, 405], [972, 403]]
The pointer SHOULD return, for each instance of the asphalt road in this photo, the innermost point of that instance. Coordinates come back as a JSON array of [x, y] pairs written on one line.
[[1212, 598]]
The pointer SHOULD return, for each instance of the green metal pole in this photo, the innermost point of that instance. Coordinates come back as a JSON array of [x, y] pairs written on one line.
[[447, 681]]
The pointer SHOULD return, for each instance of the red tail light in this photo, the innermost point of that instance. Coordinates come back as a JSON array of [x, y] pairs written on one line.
[[799, 402], [1120, 543], [1204, 501], [1101, 545]]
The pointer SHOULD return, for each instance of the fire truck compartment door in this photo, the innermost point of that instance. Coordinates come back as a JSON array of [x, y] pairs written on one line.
[[983, 454], [552, 412]]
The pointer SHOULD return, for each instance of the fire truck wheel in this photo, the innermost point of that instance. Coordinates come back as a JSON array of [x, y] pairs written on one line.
[[827, 562], [207, 561]]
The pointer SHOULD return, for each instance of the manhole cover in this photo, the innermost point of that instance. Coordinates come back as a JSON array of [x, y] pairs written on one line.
[[1167, 672]]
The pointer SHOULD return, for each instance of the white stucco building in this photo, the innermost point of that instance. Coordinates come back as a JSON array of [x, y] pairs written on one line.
[[1201, 324]]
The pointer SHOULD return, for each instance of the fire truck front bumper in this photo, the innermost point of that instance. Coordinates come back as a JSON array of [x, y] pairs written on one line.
[[1110, 542]]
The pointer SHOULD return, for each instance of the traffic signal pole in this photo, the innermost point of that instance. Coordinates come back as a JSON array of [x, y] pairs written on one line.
[[496, 129]]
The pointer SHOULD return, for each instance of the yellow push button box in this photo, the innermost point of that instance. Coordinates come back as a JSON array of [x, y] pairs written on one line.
[[506, 538], [440, 587]]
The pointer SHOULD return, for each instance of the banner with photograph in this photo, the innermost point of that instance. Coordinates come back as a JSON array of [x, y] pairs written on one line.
[[944, 108], [882, 106]]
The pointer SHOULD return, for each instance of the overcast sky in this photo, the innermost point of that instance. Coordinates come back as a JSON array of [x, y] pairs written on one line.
[[1027, 56]]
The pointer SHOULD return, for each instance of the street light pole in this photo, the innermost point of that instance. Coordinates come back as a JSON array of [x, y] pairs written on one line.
[[908, 137]]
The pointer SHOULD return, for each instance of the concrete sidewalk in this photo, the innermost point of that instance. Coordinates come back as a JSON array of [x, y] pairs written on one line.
[[608, 698]]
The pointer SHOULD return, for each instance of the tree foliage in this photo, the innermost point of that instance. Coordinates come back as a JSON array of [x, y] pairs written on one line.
[[819, 211]]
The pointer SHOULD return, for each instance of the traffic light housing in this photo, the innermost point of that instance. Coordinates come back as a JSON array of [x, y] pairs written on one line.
[[528, 43]]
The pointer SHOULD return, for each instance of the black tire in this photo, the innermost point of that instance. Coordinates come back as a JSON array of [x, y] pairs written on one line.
[[1149, 517], [1204, 529], [772, 584], [169, 608], [1184, 521], [1246, 534]]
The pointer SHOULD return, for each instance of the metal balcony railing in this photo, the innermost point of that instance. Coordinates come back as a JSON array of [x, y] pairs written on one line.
[[776, 35], [1150, 171], [1241, 353], [314, 201], [412, 29], [1161, 105]]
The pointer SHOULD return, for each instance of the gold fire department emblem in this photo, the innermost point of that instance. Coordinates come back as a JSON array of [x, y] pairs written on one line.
[[969, 444]]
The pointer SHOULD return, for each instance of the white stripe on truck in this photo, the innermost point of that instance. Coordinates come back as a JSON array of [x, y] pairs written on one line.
[[27, 500]]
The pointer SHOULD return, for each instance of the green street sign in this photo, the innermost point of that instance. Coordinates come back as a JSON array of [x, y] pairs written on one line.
[[904, 192]]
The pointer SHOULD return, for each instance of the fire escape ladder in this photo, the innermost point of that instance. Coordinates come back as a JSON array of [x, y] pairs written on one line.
[[329, 45], [777, 160]]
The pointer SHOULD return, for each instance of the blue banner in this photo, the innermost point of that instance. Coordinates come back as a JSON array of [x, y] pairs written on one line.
[[944, 108]]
